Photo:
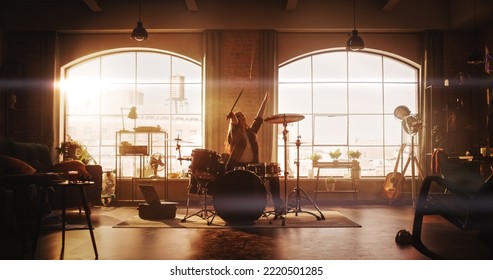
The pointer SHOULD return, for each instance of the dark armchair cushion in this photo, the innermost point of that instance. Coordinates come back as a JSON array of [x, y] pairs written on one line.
[[13, 166], [36, 155]]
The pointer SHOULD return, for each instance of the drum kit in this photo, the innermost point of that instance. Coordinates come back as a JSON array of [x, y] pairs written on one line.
[[239, 196]]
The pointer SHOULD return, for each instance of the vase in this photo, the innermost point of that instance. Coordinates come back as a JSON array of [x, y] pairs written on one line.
[[330, 186]]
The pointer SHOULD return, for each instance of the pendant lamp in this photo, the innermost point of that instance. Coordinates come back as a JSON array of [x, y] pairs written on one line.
[[355, 42], [139, 33], [476, 57]]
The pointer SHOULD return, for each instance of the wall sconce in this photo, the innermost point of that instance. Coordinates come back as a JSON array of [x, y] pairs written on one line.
[[355, 42], [139, 33], [132, 114]]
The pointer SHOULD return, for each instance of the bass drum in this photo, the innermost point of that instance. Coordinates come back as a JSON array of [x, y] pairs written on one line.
[[240, 197]]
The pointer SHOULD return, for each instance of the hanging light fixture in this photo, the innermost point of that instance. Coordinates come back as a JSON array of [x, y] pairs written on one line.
[[139, 33], [476, 57], [355, 42]]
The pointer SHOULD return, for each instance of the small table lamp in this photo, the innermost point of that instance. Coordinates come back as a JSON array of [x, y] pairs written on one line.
[[132, 114]]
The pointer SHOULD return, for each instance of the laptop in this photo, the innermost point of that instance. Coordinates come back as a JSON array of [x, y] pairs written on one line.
[[150, 194]]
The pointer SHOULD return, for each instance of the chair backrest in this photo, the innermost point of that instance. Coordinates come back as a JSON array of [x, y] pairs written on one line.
[[463, 172]]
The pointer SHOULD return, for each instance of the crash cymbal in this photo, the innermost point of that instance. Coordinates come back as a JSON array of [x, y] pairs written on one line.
[[284, 118], [183, 141]]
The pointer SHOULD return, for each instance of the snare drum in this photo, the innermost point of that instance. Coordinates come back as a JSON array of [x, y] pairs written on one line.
[[257, 168], [206, 164], [272, 170]]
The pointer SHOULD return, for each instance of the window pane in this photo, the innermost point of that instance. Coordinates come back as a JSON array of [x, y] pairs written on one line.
[[366, 130], [364, 67], [396, 71], [298, 71], [118, 68], [153, 67], [330, 130], [301, 93], [330, 67], [365, 98], [330, 98], [400, 94]]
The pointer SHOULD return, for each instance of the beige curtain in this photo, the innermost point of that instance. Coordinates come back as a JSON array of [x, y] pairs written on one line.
[[268, 82], [213, 119]]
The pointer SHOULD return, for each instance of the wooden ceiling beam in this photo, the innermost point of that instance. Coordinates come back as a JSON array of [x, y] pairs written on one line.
[[291, 5], [390, 5], [93, 5], [192, 5]]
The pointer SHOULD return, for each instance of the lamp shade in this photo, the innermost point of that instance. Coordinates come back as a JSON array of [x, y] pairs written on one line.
[[355, 42], [476, 57], [132, 114], [139, 33], [402, 111]]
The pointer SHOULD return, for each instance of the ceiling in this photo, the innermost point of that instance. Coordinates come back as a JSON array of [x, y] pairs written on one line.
[[315, 15]]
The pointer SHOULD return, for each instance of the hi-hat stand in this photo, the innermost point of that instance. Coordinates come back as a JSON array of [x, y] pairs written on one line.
[[297, 192]]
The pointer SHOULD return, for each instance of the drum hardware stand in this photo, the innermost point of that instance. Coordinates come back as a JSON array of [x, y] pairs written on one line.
[[204, 213], [296, 193]]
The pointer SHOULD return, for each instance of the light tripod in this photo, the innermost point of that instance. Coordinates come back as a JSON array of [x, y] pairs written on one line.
[[413, 160]]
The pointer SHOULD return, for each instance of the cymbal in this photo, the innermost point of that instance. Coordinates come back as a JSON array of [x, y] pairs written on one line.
[[179, 139], [185, 158], [284, 118]]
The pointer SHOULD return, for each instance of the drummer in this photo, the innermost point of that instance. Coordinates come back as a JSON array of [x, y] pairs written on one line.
[[244, 149]]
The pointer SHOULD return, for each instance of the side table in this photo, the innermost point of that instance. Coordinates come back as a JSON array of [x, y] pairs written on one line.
[[64, 185]]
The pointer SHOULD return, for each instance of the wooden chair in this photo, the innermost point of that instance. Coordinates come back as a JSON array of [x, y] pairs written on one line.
[[459, 195]]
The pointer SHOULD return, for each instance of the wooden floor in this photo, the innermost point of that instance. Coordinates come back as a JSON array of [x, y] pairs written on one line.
[[375, 240]]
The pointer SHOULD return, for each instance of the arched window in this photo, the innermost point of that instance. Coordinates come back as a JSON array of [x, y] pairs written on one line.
[[348, 101], [165, 88]]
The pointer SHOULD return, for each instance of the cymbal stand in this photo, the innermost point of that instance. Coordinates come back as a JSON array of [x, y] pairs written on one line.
[[286, 173], [204, 213], [297, 191]]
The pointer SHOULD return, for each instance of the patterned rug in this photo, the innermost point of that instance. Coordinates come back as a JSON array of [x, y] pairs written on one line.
[[331, 219]]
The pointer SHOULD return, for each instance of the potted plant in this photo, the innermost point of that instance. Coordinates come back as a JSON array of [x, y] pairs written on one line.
[[354, 156], [315, 157], [74, 150], [334, 155], [330, 184]]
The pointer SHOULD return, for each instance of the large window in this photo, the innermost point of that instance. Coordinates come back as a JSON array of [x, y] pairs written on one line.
[[348, 101], [165, 88]]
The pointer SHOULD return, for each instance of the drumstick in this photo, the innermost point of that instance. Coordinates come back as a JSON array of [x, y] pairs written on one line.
[[238, 98]]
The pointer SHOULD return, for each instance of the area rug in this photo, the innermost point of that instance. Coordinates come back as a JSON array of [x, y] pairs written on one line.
[[333, 219]]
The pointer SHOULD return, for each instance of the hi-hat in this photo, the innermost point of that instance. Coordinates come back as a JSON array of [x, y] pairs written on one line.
[[284, 118]]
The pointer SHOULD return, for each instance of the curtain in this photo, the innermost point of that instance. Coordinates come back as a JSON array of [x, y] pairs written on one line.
[[268, 83], [213, 65], [432, 75]]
